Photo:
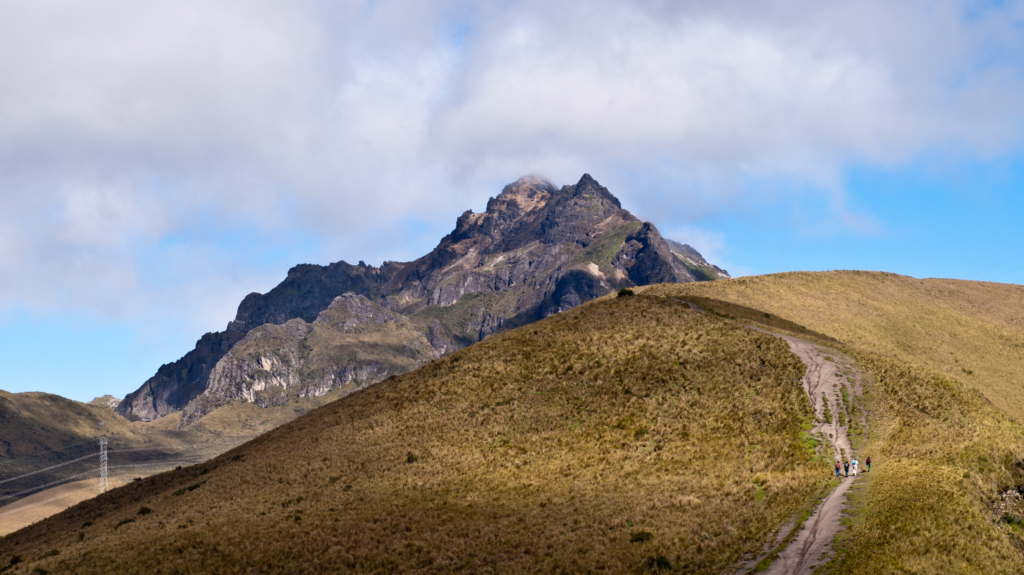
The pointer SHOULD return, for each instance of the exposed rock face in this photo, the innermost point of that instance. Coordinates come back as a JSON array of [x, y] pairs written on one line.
[[351, 344], [106, 401], [307, 291], [698, 266], [537, 250]]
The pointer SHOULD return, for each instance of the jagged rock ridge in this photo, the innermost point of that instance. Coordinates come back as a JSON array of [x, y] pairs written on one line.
[[536, 250]]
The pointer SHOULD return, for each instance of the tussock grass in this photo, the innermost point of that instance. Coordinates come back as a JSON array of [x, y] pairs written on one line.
[[944, 367], [627, 434], [948, 326], [941, 455]]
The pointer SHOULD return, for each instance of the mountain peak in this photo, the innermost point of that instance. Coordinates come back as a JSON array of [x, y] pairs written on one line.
[[536, 250], [588, 185], [524, 195]]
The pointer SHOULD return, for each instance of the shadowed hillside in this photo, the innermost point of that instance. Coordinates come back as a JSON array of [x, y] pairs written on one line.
[[628, 433], [50, 443]]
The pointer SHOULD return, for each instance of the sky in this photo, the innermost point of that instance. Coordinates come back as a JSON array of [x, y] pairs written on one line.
[[160, 160]]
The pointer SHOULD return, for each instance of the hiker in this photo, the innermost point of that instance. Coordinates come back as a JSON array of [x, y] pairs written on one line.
[[868, 461], [846, 467], [837, 468], [855, 467]]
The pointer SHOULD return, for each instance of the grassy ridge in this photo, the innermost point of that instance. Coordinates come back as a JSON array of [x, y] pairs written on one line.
[[944, 361], [969, 331], [624, 434], [943, 455]]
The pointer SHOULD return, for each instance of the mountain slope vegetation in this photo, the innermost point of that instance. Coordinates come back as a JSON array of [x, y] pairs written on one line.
[[969, 331], [945, 361], [625, 434]]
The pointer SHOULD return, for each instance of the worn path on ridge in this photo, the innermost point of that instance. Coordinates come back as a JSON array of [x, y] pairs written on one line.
[[828, 373]]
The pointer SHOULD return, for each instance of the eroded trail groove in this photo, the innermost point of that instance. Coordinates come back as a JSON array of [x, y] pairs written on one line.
[[834, 386]]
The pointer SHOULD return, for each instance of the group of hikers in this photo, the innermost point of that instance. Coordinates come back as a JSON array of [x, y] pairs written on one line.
[[846, 466]]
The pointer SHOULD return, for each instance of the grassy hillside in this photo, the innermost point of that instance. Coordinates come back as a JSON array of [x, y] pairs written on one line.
[[969, 331], [628, 433], [948, 380]]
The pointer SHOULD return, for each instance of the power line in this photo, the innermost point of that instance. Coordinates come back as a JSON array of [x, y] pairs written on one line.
[[103, 464], [153, 463], [49, 468], [52, 483], [38, 503]]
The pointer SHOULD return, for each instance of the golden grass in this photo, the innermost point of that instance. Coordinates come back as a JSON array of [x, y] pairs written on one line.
[[944, 366], [970, 331], [942, 455], [41, 505], [624, 434]]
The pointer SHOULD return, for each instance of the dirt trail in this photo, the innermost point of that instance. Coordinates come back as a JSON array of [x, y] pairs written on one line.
[[828, 375]]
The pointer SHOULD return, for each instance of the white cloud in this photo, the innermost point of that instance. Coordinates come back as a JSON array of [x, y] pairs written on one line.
[[136, 139]]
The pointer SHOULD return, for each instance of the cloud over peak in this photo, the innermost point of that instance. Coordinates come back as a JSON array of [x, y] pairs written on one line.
[[149, 136]]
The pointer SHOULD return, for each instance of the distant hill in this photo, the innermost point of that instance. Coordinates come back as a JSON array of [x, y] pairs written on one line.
[[106, 401], [48, 442], [536, 250], [627, 434]]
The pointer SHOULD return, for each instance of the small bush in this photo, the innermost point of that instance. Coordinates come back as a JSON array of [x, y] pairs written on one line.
[[192, 487], [657, 564], [124, 522], [641, 537], [145, 511], [625, 292]]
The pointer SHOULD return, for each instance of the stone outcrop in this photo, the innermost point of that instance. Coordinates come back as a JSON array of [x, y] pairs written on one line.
[[351, 344], [537, 250], [698, 266], [306, 291]]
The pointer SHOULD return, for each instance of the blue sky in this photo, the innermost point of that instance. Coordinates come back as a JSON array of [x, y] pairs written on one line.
[[159, 161]]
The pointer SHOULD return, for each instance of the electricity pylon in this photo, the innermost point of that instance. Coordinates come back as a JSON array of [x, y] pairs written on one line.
[[103, 464]]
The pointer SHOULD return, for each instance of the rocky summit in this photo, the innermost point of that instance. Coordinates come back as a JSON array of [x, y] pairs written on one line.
[[537, 250]]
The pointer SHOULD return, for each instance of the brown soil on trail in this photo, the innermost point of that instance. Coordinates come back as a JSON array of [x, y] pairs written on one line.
[[828, 373]]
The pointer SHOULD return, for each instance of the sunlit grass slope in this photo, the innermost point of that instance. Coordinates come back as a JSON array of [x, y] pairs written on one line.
[[945, 454], [971, 331], [624, 434]]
